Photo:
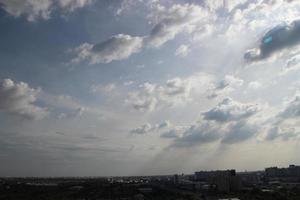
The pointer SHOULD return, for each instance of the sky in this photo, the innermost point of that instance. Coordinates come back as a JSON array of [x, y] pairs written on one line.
[[148, 87]]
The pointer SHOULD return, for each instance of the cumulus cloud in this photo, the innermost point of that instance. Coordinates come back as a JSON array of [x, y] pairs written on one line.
[[142, 129], [182, 50], [146, 128], [144, 99], [33, 9], [174, 20], [176, 87], [281, 37], [200, 133], [174, 132], [229, 122], [118, 47], [175, 91], [19, 99], [228, 84], [230, 110], [240, 131]]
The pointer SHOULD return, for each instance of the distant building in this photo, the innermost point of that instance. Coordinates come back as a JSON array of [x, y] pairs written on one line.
[[292, 172], [251, 178], [225, 180]]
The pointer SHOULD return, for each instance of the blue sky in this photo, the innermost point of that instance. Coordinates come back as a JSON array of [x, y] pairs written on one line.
[[140, 87]]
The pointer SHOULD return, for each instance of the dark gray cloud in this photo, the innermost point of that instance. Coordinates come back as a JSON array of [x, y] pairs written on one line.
[[278, 38]]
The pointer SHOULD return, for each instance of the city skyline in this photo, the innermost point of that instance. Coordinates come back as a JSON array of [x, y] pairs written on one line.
[[148, 87]]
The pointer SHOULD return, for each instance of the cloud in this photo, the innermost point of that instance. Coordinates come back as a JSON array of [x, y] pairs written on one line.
[[143, 99], [33, 9], [71, 5], [229, 122], [254, 85], [182, 50], [200, 133], [228, 84], [292, 64], [19, 99], [176, 87], [118, 47], [177, 19], [142, 129], [175, 91], [239, 132], [146, 128], [72, 113], [230, 110], [284, 133], [284, 124], [283, 36], [292, 109], [102, 88], [174, 132]]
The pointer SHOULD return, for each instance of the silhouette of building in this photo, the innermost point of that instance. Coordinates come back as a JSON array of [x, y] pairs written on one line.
[[224, 180]]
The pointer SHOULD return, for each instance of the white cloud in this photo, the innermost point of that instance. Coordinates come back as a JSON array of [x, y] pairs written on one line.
[[228, 84], [284, 133], [292, 109], [199, 133], [229, 122], [174, 92], [118, 47], [254, 85], [72, 5], [142, 129], [102, 88], [145, 99], [174, 132], [177, 19], [176, 87], [19, 99], [230, 110], [72, 113], [146, 128], [182, 50], [34, 9], [292, 64]]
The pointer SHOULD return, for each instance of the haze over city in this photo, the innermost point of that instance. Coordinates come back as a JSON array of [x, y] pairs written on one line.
[[148, 87]]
